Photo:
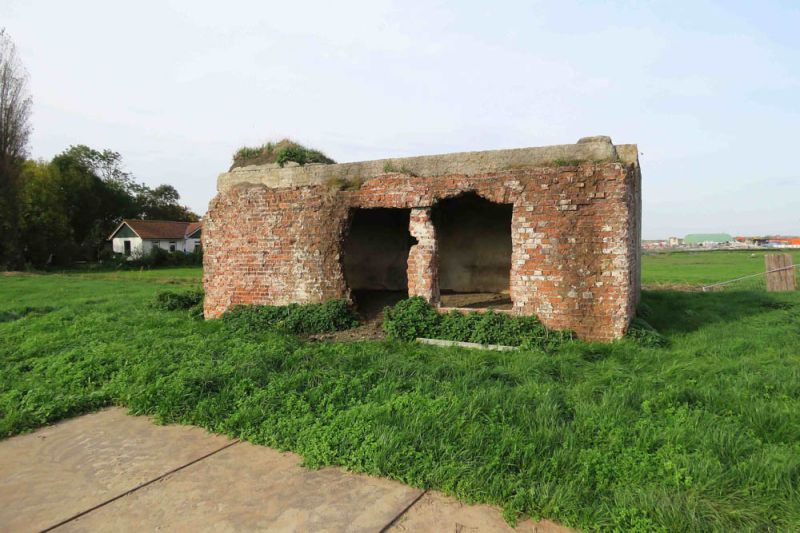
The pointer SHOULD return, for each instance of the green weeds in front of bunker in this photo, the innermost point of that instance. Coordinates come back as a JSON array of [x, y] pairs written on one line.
[[703, 434], [333, 315], [415, 317]]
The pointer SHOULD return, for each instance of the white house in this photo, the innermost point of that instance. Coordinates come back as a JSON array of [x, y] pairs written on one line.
[[136, 238]]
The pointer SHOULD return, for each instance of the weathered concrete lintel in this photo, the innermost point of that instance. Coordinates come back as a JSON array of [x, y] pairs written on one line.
[[590, 149]]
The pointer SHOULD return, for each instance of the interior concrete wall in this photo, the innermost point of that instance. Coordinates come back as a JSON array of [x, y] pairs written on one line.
[[376, 249], [474, 238]]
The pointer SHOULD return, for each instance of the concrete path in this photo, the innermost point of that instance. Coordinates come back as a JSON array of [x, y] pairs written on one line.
[[108, 471]]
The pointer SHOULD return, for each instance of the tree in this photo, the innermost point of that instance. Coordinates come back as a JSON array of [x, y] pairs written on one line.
[[67, 207], [15, 129], [44, 225], [162, 203], [97, 194]]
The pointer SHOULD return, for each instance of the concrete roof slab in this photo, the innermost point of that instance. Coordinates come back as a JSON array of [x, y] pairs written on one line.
[[589, 149]]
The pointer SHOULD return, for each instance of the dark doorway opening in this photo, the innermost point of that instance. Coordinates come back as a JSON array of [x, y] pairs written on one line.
[[376, 259], [474, 236]]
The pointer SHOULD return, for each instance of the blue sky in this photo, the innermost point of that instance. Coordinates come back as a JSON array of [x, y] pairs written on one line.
[[710, 91]]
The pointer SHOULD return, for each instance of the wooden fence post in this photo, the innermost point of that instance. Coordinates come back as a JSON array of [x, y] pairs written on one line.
[[780, 273]]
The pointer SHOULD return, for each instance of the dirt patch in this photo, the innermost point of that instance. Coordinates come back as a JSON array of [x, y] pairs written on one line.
[[477, 300], [369, 331], [370, 306]]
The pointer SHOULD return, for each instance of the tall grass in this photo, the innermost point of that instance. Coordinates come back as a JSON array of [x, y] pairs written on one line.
[[700, 435], [280, 152]]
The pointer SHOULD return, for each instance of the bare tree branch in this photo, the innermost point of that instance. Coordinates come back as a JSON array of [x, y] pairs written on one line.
[[15, 105], [15, 130]]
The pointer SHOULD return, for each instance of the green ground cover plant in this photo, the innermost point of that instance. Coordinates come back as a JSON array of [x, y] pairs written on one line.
[[175, 300], [701, 434], [333, 315], [414, 317]]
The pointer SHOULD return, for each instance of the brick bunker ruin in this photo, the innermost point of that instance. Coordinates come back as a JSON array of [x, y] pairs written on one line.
[[551, 231]]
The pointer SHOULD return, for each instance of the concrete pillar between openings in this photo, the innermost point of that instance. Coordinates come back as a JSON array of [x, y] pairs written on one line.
[[423, 267]]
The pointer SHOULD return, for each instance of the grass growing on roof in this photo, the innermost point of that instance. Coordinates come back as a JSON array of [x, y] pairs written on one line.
[[280, 152], [702, 434]]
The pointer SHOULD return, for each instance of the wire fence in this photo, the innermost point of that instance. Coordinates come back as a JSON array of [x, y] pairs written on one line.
[[752, 282]]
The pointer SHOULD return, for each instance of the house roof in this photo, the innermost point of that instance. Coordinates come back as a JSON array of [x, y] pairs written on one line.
[[193, 228], [159, 229]]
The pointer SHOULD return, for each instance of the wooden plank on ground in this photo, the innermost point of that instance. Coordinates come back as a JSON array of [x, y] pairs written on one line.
[[781, 275]]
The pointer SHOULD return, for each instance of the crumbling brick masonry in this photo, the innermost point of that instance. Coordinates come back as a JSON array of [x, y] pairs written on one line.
[[277, 235]]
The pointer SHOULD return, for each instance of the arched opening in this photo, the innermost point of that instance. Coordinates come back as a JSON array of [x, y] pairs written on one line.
[[375, 258], [474, 237]]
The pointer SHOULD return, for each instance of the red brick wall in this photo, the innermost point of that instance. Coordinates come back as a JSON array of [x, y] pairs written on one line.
[[575, 236], [272, 246], [422, 258]]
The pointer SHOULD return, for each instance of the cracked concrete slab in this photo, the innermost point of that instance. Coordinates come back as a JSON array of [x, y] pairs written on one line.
[[253, 488], [184, 478], [55, 472]]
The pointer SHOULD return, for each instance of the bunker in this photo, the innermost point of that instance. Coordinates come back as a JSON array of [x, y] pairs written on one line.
[[551, 231]]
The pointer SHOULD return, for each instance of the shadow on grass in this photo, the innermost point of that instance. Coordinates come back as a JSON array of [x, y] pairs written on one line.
[[16, 314], [683, 312]]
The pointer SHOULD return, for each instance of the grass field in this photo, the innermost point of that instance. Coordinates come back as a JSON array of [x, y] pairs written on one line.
[[701, 268], [166, 275], [701, 435]]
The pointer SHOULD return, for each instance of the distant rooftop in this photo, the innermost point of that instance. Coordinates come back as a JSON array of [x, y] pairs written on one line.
[[159, 229]]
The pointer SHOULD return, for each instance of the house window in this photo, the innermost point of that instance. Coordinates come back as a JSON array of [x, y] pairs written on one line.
[[156, 244], [172, 246], [127, 247]]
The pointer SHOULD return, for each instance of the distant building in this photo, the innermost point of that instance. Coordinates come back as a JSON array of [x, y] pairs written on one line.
[[782, 242], [653, 244], [136, 238], [708, 240], [674, 242], [774, 241]]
